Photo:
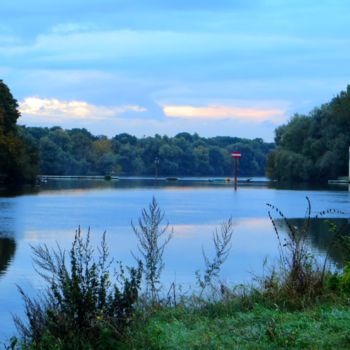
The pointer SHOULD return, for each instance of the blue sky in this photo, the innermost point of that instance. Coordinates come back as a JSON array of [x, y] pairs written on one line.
[[237, 68]]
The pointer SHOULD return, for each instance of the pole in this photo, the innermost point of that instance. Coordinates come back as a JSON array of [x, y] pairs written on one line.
[[235, 172]]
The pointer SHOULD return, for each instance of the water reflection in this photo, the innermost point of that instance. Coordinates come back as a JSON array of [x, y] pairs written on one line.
[[135, 182], [7, 234], [321, 238], [7, 252], [14, 191]]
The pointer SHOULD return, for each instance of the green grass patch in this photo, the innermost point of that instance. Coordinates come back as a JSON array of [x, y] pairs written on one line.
[[321, 327]]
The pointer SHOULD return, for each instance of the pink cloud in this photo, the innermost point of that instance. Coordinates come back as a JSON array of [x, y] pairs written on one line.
[[216, 112]]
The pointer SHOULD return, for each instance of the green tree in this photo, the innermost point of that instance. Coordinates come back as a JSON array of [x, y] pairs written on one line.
[[8, 109], [313, 147], [18, 154], [78, 152]]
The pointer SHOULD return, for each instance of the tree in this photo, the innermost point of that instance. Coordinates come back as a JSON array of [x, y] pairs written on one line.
[[8, 109], [18, 154], [313, 147], [78, 152]]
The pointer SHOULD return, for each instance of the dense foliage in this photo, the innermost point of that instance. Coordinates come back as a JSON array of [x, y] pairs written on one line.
[[78, 152], [18, 154], [314, 147]]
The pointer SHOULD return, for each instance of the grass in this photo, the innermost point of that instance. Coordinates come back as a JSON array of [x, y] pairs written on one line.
[[320, 327]]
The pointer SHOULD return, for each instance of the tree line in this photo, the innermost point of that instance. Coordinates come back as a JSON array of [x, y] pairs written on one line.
[[78, 152], [313, 147], [27, 151], [309, 148]]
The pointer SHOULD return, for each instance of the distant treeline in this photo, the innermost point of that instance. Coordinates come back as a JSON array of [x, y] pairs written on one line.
[[78, 152], [310, 148], [313, 147]]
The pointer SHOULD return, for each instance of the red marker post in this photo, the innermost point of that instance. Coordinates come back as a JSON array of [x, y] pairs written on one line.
[[236, 156]]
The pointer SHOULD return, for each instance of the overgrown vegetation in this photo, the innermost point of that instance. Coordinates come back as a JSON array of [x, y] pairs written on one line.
[[83, 309], [314, 147], [300, 277]]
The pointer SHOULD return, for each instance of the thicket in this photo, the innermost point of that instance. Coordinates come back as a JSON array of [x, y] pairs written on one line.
[[313, 147], [78, 152]]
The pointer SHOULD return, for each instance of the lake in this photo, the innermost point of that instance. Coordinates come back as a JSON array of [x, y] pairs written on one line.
[[51, 213]]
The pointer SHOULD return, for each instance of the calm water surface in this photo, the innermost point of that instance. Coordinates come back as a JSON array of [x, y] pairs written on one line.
[[51, 214]]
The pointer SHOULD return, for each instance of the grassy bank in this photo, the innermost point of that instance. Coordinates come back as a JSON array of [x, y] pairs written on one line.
[[224, 326]]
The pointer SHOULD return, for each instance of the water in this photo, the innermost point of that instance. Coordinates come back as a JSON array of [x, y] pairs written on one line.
[[51, 214]]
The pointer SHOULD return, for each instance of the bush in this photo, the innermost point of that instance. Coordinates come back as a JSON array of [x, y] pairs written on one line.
[[81, 308]]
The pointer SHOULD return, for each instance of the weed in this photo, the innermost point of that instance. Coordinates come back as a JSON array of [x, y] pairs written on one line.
[[81, 303], [300, 279], [222, 245], [152, 238]]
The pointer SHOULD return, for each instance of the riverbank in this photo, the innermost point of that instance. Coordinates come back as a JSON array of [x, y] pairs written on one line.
[[241, 180], [229, 326], [232, 324]]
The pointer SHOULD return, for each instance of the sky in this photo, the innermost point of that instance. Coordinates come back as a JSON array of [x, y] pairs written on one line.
[[225, 67]]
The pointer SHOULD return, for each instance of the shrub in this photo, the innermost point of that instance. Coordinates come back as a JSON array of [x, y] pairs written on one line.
[[81, 304]]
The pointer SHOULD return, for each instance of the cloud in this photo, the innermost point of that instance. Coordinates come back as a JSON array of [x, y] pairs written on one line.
[[110, 121], [57, 110], [68, 43], [218, 112], [68, 28]]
